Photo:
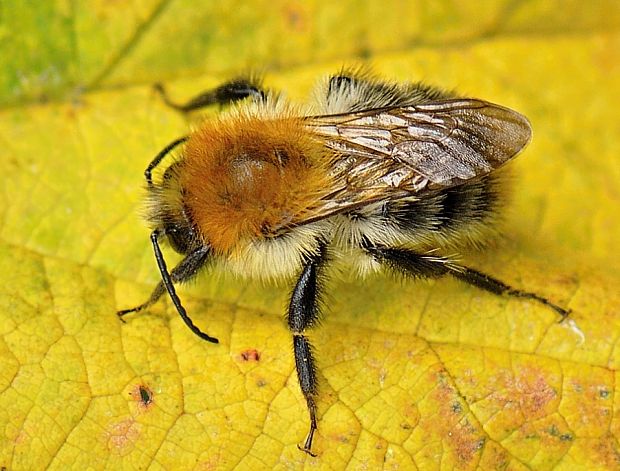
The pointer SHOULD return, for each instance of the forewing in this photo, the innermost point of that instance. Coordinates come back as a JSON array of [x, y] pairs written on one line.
[[451, 142], [395, 152]]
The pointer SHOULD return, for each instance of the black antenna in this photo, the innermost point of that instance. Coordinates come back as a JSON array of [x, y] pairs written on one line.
[[165, 277]]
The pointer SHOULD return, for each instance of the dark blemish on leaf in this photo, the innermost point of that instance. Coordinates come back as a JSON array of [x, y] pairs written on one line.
[[603, 393], [261, 383], [250, 354], [143, 395], [554, 431], [457, 408]]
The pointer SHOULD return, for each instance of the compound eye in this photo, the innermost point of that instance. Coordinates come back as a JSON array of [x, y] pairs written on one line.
[[180, 238]]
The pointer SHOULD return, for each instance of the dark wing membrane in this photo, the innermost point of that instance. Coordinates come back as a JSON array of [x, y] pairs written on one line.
[[455, 141], [395, 152], [446, 142]]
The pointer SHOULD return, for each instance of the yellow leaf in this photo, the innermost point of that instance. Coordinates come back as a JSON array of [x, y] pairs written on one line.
[[433, 375]]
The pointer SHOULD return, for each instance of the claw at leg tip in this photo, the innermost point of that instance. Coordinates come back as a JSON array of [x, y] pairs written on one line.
[[306, 450]]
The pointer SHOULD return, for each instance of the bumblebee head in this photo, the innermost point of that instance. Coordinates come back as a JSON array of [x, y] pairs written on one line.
[[168, 212]]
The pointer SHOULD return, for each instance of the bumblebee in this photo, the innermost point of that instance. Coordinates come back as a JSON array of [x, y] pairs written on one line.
[[375, 175]]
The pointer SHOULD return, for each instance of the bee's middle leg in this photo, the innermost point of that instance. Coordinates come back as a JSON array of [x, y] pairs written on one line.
[[303, 313]]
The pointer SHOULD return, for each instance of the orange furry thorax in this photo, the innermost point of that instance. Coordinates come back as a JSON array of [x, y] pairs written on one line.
[[248, 178]]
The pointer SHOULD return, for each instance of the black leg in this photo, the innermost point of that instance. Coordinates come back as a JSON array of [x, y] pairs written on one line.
[[488, 283], [185, 270], [417, 265], [303, 313], [228, 92]]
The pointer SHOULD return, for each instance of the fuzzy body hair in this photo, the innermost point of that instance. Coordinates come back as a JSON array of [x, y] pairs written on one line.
[[257, 168], [372, 175]]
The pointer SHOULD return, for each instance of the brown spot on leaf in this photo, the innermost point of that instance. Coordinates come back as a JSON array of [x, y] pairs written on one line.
[[250, 354], [528, 394], [466, 441], [120, 437], [463, 438], [607, 450], [536, 393]]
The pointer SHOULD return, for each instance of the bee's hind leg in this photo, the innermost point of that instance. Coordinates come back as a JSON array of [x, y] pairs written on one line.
[[229, 92], [489, 283], [417, 265]]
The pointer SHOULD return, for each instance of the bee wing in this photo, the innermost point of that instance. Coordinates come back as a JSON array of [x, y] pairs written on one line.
[[396, 152]]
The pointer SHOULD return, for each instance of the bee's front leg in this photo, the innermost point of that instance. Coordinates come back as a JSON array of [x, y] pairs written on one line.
[[184, 271]]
